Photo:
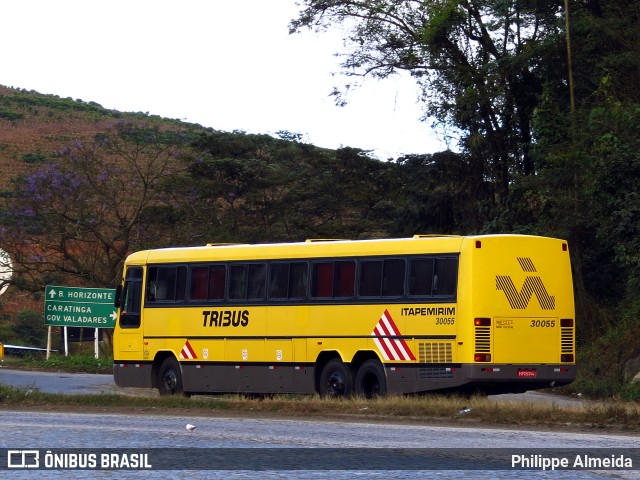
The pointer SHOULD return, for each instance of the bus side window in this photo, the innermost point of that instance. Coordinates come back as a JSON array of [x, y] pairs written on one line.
[[445, 276], [167, 284], [382, 278], [199, 283], [257, 282], [217, 277], [344, 279], [333, 279], [181, 285], [207, 283], [132, 298], [322, 280], [298, 278], [247, 282], [238, 282], [152, 276], [421, 277], [279, 280], [393, 278], [370, 278], [288, 280]]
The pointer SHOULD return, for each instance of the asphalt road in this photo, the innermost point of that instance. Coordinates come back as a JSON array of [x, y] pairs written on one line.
[[58, 382], [332, 450]]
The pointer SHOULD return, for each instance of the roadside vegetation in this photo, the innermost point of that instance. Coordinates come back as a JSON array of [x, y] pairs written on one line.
[[429, 409]]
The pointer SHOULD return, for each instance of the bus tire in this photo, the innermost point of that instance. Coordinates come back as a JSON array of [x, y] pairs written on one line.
[[170, 377], [335, 380], [370, 380]]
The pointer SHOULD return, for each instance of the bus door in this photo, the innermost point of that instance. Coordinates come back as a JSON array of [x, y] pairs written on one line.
[[129, 343]]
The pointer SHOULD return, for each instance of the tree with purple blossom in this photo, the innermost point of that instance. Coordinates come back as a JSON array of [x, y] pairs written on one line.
[[75, 218]]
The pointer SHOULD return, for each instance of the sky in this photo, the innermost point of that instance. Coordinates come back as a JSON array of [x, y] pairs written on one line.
[[225, 64]]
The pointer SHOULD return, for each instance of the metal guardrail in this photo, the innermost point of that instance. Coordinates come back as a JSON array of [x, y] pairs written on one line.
[[19, 349]]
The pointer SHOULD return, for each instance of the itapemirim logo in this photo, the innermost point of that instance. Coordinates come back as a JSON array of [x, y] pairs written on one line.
[[519, 300]]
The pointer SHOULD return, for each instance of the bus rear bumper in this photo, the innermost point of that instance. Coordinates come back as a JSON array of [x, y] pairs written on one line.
[[486, 378], [518, 378]]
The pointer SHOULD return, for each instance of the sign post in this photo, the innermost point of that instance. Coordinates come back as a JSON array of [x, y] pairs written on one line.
[[79, 307]]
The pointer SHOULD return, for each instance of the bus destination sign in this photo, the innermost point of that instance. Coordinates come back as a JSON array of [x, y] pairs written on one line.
[[79, 307]]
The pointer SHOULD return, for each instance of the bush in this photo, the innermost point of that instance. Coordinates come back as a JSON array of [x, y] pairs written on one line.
[[81, 362], [29, 329], [630, 392], [601, 363]]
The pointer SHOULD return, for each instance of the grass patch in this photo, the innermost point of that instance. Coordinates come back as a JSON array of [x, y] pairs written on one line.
[[430, 409]]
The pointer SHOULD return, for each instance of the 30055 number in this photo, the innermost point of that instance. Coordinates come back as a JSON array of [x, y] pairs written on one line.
[[445, 321], [542, 323]]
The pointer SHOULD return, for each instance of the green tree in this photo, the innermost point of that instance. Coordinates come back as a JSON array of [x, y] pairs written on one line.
[[256, 188], [438, 195], [589, 159], [241, 183], [477, 62]]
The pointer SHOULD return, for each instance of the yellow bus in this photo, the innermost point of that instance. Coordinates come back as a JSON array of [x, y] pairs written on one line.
[[490, 313]]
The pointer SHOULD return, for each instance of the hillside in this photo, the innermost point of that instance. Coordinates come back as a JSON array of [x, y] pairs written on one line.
[[33, 125]]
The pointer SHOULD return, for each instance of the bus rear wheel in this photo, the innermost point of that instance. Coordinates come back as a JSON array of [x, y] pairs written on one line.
[[170, 377], [370, 380], [335, 380]]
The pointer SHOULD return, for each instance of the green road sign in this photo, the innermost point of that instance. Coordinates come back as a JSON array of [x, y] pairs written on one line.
[[79, 307]]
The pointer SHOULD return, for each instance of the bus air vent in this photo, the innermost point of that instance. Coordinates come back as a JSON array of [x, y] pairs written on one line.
[[566, 339], [436, 371], [434, 352], [483, 339]]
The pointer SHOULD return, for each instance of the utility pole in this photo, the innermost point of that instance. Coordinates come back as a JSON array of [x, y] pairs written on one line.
[[567, 28]]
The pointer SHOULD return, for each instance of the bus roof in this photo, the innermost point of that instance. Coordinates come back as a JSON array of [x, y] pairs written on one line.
[[419, 244]]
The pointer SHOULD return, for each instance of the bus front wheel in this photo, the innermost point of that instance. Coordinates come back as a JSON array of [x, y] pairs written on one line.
[[170, 377], [335, 380], [370, 380]]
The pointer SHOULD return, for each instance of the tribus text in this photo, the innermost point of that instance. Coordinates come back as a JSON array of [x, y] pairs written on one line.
[[225, 318]]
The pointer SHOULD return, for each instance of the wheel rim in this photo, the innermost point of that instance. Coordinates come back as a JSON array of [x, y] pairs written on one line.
[[170, 381], [336, 384]]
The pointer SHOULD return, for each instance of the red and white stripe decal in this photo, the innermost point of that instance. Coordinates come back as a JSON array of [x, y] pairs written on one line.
[[187, 352], [390, 348]]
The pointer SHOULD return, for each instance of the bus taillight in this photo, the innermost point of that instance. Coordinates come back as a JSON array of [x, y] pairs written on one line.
[[566, 322], [566, 357], [482, 357], [482, 322]]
